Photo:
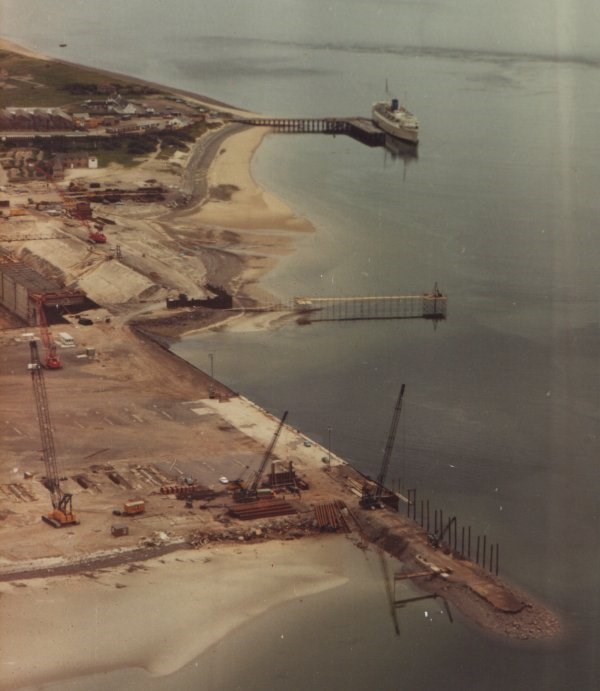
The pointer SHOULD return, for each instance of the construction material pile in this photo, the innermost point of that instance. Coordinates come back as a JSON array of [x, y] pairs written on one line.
[[288, 528], [262, 508]]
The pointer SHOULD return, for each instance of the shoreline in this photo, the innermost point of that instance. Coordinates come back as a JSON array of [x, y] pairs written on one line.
[[12, 47], [254, 227], [252, 206], [176, 583], [117, 568], [9, 45], [245, 216]]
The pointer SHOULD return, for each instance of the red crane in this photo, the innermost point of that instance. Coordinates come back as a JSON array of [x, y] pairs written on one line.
[[51, 359], [62, 511]]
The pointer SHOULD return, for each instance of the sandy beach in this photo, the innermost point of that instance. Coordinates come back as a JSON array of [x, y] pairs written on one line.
[[5, 44], [231, 237], [253, 207], [136, 402], [257, 226], [225, 586], [154, 615]]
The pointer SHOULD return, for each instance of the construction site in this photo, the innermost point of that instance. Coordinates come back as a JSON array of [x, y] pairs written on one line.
[[116, 451], [171, 452], [125, 452]]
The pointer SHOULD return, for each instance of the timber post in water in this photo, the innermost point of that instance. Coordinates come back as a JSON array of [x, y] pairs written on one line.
[[445, 535]]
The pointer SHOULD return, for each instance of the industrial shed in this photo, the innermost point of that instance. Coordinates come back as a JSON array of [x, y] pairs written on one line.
[[22, 289]]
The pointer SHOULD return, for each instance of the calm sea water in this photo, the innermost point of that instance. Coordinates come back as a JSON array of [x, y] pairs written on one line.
[[501, 412]]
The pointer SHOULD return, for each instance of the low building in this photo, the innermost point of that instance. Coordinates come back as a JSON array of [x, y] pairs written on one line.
[[114, 104], [37, 119], [176, 123], [77, 159], [22, 288]]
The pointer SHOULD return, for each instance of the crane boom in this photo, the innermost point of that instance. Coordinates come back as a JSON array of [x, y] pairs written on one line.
[[51, 359], [62, 514], [254, 486], [389, 446], [372, 497]]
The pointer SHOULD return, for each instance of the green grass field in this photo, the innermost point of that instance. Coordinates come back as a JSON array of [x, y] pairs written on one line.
[[39, 83], [44, 83]]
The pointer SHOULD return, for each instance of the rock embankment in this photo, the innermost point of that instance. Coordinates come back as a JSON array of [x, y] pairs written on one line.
[[481, 597], [288, 528]]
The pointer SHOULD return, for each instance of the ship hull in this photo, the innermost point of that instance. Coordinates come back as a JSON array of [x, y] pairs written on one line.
[[395, 130]]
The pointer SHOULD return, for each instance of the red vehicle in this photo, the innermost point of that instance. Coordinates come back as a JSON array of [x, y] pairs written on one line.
[[51, 359]]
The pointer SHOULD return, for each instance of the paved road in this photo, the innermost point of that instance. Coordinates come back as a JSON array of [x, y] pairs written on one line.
[[194, 181]]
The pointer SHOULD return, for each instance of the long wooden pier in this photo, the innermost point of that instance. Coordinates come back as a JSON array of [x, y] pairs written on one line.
[[362, 129], [431, 305], [425, 306]]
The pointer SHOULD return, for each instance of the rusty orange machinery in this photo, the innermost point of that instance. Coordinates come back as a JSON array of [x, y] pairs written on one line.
[[133, 507]]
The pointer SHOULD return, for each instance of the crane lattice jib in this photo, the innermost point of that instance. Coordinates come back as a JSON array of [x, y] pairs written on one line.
[[268, 452], [389, 446], [43, 415], [51, 356]]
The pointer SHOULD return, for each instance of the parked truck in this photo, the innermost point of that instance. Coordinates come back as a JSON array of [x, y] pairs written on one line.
[[131, 508]]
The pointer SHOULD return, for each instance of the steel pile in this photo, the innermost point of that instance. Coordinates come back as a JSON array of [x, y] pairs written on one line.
[[329, 516], [264, 508]]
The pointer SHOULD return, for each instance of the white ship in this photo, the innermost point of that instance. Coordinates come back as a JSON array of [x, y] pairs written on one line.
[[395, 120]]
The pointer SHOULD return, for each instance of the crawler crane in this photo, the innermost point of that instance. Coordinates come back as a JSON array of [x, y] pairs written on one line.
[[250, 493], [62, 512], [373, 498]]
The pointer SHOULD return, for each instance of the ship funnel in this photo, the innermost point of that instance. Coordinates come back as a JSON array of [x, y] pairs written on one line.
[[394, 104]]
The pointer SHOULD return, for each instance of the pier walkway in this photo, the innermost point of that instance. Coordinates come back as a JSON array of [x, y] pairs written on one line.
[[425, 306], [362, 129], [311, 309]]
